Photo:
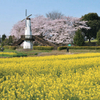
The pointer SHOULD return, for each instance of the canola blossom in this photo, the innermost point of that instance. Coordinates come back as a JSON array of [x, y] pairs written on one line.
[[8, 53], [61, 77]]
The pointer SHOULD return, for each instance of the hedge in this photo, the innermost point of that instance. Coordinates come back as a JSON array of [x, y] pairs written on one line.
[[43, 47], [9, 47], [17, 55], [78, 47]]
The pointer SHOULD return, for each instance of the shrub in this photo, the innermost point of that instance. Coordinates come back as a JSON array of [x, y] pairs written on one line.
[[62, 47], [35, 53], [6, 47], [20, 55], [78, 47], [10, 47], [78, 38], [98, 37], [12, 54], [43, 47]]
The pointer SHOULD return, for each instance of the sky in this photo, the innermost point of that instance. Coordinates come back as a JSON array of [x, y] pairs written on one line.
[[12, 11]]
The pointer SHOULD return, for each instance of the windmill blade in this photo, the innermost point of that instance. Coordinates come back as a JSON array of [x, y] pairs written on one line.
[[29, 16], [26, 17], [23, 19], [26, 12]]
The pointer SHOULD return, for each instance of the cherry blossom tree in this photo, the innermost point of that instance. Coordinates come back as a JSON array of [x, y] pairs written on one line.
[[56, 31]]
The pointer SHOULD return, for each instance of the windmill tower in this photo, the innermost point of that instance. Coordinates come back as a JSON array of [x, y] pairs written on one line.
[[28, 41]]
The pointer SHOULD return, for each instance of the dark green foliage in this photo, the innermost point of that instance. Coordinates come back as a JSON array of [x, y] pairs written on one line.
[[10, 40], [35, 53], [98, 37], [3, 37], [7, 41], [93, 22], [78, 47], [90, 16], [17, 55], [62, 47], [20, 55], [95, 26], [78, 38], [2, 44], [43, 48], [10, 47]]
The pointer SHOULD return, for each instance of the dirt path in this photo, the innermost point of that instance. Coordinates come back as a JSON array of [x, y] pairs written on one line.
[[54, 52]]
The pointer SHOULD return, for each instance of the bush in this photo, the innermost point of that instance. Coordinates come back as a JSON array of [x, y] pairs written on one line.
[[20, 55], [13, 55], [43, 47], [62, 47], [6, 47], [78, 47], [98, 37], [10, 47], [78, 38]]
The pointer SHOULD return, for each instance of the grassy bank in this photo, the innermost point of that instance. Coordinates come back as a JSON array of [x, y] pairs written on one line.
[[49, 52]]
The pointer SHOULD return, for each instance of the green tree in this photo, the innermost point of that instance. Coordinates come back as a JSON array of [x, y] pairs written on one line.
[[10, 40], [5, 42], [90, 16], [3, 37], [78, 38], [93, 22], [98, 37]]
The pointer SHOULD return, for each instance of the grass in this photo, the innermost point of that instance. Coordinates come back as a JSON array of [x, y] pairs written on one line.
[[8, 50], [84, 50], [91, 43], [24, 52], [49, 52], [33, 52], [13, 55], [95, 40]]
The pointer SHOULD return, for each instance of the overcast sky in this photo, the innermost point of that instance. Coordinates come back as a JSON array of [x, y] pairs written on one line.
[[12, 11]]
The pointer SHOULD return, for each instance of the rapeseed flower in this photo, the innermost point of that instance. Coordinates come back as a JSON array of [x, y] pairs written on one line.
[[61, 77]]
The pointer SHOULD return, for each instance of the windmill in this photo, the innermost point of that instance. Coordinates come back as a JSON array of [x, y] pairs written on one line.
[[28, 42], [26, 17]]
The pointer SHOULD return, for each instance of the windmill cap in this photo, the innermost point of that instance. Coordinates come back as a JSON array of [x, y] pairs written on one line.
[[28, 18]]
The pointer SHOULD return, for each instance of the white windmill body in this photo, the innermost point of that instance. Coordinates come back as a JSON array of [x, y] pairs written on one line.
[[28, 43]]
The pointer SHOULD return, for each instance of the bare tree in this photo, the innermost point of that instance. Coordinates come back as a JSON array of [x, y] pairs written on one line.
[[54, 15]]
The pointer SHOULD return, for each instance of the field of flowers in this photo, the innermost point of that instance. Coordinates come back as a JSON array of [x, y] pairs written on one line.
[[7, 53], [12, 54], [62, 77]]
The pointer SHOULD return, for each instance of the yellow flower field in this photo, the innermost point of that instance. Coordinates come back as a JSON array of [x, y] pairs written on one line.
[[62, 77], [7, 53]]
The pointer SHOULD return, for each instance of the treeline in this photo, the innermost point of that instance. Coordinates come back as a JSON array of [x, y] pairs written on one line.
[[93, 21], [55, 30]]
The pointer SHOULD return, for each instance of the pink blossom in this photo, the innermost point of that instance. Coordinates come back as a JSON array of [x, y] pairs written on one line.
[[56, 31]]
